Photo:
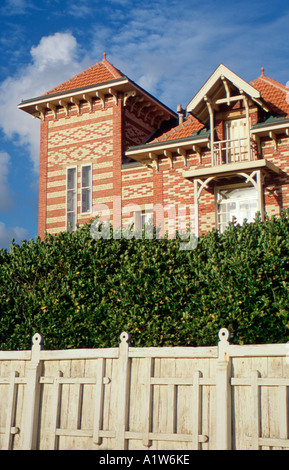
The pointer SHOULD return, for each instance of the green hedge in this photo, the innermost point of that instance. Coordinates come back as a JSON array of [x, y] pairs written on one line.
[[80, 292]]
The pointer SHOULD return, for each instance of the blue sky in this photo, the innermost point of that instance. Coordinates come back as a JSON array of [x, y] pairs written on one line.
[[168, 47]]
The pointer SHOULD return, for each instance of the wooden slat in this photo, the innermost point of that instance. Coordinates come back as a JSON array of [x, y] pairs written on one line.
[[83, 433], [68, 380], [255, 410], [181, 381], [70, 354], [174, 437], [147, 406], [266, 381], [10, 411], [15, 355], [55, 411], [258, 350], [17, 380], [13, 430], [98, 401], [283, 412], [171, 410], [196, 425], [174, 352], [270, 442]]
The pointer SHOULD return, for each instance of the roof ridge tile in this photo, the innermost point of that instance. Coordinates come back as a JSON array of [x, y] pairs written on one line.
[[110, 73], [271, 81]]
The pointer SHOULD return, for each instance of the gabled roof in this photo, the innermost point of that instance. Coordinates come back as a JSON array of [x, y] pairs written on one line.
[[96, 81], [218, 86], [101, 72], [266, 92], [275, 94]]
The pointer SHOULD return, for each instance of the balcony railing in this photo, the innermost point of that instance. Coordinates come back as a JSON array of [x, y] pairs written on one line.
[[232, 151]]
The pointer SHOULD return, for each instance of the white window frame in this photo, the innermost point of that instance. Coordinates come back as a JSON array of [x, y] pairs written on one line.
[[218, 189], [89, 211], [75, 189], [139, 218]]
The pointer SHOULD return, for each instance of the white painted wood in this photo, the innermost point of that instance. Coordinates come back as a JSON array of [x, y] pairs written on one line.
[[174, 352], [283, 411], [197, 407], [55, 411], [146, 398], [32, 396], [147, 406], [10, 411], [70, 354], [223, 394], [255, 410], [98, 402], [122, 411]]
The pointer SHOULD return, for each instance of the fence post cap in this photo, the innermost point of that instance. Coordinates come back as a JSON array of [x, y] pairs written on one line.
[[124, 337], [224, 334], [37, 339]]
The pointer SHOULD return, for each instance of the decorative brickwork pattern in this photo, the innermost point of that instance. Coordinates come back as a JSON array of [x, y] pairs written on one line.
[[115, 128]]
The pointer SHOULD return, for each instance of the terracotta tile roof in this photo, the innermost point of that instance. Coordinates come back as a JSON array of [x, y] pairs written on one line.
[[186, 129], [275, 94], [101, 72]]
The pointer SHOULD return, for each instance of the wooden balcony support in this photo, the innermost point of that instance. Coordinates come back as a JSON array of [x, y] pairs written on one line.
[[211, 114], [252, 172]]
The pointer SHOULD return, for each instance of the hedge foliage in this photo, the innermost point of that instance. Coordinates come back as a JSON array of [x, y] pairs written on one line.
[[80, 292]]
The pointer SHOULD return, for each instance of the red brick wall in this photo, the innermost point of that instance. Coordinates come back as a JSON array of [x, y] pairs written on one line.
[[276, 186], [42, 178], [80, 138], [100, 136]]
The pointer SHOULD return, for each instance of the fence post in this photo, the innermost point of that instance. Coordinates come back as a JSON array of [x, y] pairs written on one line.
[[123, 382], [32, 395], [223, 394]]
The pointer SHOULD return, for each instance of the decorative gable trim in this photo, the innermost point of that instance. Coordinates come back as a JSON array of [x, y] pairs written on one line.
[[225, 75]]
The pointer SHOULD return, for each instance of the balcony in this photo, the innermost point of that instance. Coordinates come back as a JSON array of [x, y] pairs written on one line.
[[230, 157], [226, 152]]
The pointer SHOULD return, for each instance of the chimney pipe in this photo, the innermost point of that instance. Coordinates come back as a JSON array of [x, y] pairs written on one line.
[[181, 112]]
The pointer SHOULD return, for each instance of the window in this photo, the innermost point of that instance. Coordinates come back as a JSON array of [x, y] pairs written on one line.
[[71, 198], [240, 203], [141, 218], [237, 141], [86, 183]]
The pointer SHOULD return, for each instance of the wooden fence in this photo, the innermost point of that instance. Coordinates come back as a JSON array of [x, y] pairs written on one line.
[[174, 398]]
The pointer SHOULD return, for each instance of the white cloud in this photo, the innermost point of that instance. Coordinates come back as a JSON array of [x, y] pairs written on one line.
[[14, 7], [6, 202], [7, 234], [54, 51], [172, 51], [53, 60]]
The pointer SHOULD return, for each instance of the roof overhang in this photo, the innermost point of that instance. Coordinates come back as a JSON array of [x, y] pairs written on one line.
[[221, 87], [231, 169], [36, 106], [147, 153], [278, 125]]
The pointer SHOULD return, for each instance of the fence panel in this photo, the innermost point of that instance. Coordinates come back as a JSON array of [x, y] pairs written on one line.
[[176, 398]]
